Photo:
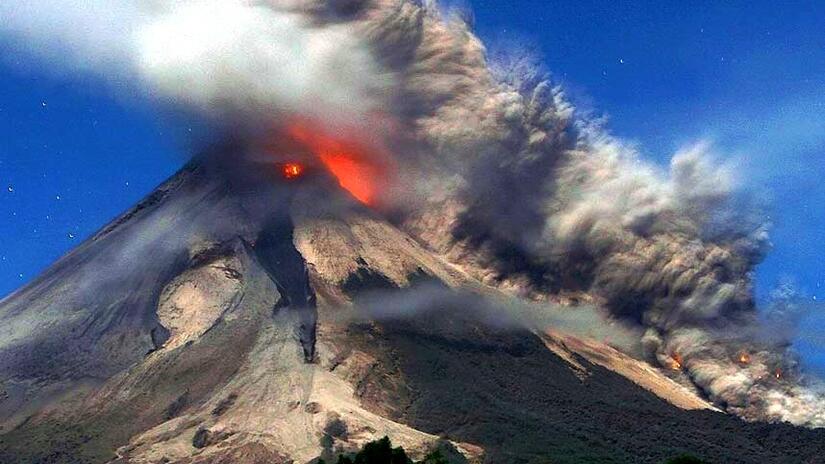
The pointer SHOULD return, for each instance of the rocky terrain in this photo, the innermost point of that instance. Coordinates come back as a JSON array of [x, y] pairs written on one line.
[[218, 322]]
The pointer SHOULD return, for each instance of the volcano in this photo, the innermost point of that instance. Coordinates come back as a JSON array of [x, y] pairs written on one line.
[[213, 323]]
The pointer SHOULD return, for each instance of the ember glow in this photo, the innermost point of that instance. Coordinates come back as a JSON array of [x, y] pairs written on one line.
[[675, 362], [292, 170], [360, 170]]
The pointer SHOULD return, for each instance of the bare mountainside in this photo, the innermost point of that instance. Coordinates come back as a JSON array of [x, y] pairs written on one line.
[[215, 323]]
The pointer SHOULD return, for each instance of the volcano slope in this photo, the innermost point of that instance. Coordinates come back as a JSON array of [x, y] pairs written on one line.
[[214, 323]]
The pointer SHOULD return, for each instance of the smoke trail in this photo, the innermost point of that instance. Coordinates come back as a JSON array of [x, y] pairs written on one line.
[[254, 61], [494, 311], [495, 168]]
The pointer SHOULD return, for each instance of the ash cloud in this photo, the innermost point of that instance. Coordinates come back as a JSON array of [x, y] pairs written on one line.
[[533, 198], [496, 169]]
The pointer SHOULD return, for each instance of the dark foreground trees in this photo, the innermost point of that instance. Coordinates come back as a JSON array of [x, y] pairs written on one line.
[[685, 459], [382, 452]]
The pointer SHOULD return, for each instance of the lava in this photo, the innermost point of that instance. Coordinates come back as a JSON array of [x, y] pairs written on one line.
[[359, 169], [744, 358], [292, 170], [676, 362]]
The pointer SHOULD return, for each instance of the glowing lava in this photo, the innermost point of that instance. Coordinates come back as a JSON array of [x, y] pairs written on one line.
[[744, 358], [675, 362], [292, 170], [359, 170]]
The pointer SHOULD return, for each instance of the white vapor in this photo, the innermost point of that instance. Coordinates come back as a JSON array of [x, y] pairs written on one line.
[[499, 173], [90, 35], [229, 58], [243, 58]]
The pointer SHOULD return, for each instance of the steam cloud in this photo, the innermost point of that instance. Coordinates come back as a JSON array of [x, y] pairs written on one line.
[[500, 174], [229, 58]]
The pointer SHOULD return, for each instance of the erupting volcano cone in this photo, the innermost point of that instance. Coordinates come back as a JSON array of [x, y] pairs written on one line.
[[213, 323]]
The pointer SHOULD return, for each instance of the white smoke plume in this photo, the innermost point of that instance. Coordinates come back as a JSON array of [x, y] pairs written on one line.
[[496, 169], [228, 58]]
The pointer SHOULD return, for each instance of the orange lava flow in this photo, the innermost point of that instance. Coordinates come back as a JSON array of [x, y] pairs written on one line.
[[358, 169]]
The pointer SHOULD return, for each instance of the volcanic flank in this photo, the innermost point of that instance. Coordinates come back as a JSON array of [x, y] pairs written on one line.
[[214, 322]]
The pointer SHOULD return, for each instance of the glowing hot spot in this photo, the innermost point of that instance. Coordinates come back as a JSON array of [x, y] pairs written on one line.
[[675, 362], [292, 170]]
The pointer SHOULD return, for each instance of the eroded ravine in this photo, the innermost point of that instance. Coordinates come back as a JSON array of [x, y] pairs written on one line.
[[276, 252]]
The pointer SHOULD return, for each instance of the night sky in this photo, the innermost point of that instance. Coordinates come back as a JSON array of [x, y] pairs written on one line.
[[749, 76]]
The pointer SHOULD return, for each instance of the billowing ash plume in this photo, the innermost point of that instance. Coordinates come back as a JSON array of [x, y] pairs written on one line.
[[492, 166]]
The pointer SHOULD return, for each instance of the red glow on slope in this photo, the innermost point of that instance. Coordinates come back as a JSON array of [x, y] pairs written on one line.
[[358, 169]]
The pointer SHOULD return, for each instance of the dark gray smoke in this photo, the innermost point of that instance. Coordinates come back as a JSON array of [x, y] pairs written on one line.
[[530, 197]]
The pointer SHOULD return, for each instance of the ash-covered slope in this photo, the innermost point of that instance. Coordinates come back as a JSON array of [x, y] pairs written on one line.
[[214, 322]]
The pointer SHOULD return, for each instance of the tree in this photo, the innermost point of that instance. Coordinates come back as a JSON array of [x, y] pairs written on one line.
[[685, 459], [382, 452], [435, 458]]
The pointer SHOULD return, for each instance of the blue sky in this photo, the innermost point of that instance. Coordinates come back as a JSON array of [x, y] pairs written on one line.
[[748, 75]]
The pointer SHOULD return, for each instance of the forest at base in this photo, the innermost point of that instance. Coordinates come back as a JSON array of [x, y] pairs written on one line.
[[382, 452]]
